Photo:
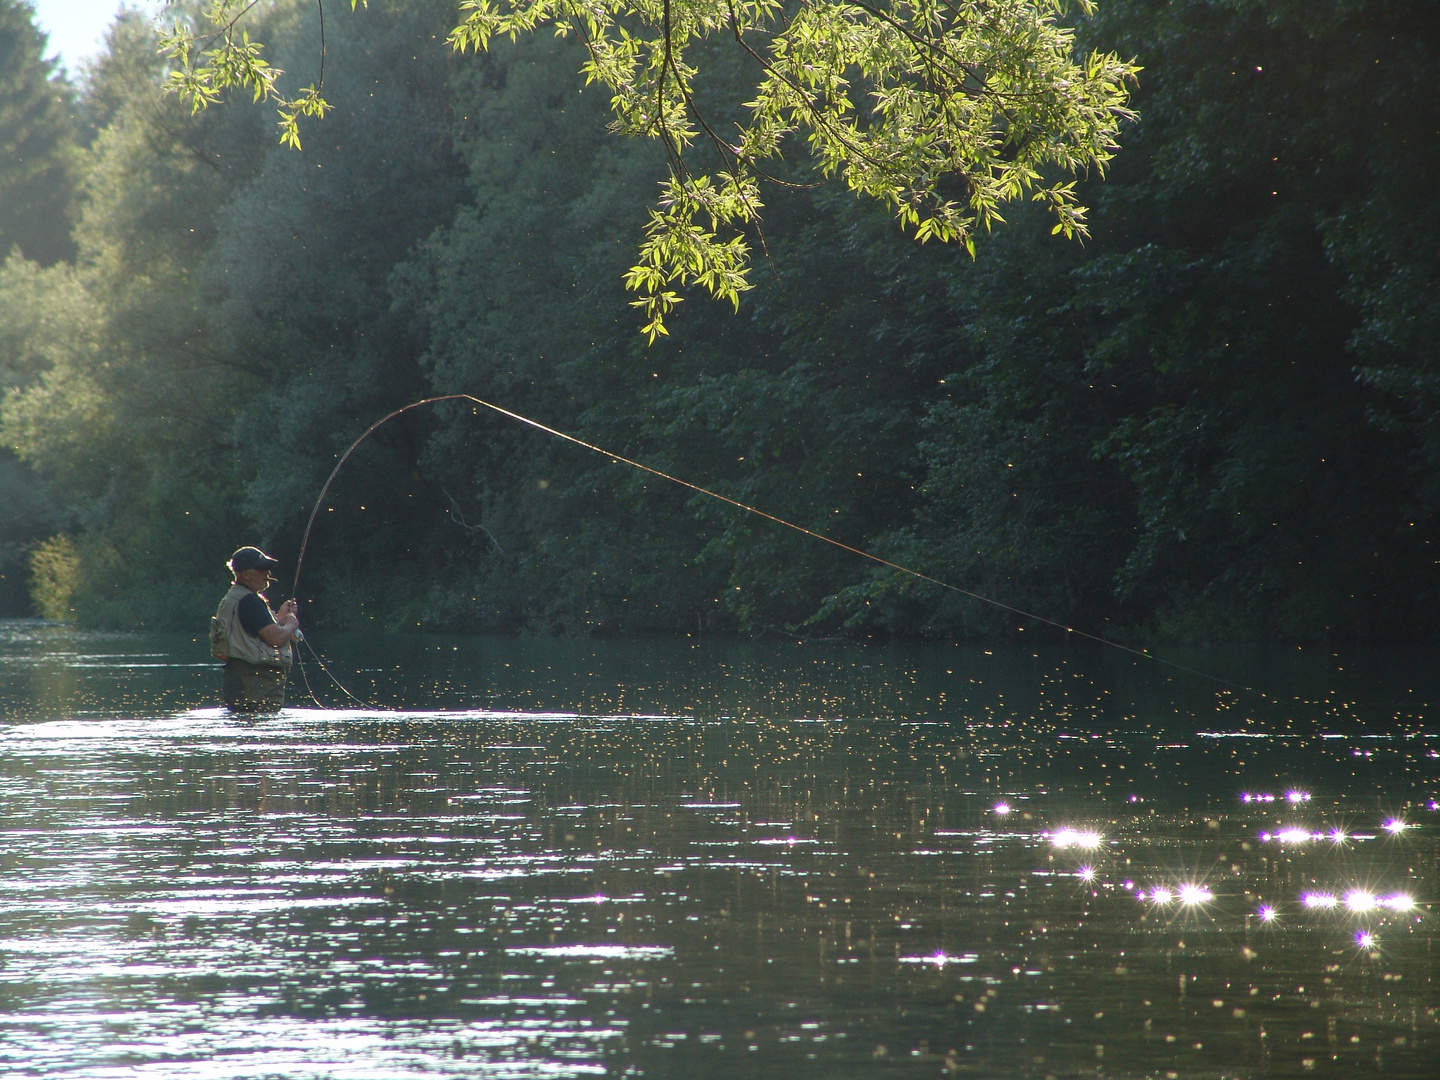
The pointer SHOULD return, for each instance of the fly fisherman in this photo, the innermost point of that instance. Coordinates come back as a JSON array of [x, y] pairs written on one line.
[[253, 642]]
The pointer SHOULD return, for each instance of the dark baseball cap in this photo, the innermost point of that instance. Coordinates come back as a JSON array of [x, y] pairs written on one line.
[[252, 558]]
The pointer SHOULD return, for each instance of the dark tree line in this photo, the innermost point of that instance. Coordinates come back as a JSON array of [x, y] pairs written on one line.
[[1215, 419]]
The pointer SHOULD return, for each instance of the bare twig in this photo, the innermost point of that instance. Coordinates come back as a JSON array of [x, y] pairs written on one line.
[[458, 517]]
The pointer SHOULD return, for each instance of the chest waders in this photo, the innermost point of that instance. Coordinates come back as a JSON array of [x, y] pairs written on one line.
[[254, 676]]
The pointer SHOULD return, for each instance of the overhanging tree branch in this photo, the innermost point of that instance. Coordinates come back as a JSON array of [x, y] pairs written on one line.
[[896, 98]]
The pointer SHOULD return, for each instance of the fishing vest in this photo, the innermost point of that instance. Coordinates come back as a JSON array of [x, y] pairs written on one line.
[[228, 639]]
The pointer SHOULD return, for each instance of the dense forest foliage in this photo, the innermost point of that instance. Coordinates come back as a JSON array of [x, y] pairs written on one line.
[[1215, 419]]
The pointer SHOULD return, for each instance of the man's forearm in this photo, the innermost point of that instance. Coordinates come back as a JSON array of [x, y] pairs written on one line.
[[281, 632]]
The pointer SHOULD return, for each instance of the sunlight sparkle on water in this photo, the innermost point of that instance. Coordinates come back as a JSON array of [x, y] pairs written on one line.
[[1075, 838], [1396, 826], [1365, 939], [1002, 808], [1318, 900], [1297, 796], [1085, 873], [1398, 902], [940, 958], [1195, 894], [1337, 836], [1266, 913], [1360, 900], [1161, 895]]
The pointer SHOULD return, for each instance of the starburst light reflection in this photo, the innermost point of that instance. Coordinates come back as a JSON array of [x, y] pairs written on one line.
[[1360, 900], [1080, 838], [1195, 894]]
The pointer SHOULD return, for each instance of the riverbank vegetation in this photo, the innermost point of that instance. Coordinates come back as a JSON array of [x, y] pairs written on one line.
[[1214, 419]]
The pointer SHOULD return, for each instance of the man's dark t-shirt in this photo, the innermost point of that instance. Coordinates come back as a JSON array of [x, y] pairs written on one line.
[[254, 613]]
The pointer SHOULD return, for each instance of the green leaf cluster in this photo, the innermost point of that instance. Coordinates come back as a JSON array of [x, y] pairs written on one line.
[[943, 111], [213, 54]]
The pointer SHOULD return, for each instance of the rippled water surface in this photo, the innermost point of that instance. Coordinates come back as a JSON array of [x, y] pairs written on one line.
[[665, 858]]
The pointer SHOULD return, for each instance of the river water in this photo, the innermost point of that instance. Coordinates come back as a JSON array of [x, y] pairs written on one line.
[[673, 858]]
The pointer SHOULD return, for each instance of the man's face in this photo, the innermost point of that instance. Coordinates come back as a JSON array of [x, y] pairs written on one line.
[[254, 580]]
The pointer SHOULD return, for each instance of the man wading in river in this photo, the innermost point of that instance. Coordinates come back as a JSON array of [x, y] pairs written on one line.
[[253, 642]]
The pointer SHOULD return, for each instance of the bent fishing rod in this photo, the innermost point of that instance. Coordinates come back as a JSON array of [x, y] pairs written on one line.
[[620, 459]]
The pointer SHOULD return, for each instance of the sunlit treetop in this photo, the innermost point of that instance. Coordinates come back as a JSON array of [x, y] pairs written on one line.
[[944, 110]]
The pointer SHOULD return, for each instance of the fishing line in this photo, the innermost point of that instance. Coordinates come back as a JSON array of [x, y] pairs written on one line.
[[304, 677], [326, 669], [621, 460]]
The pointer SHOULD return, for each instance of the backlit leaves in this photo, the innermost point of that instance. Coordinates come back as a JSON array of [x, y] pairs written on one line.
[[944, 110], [224, 58]]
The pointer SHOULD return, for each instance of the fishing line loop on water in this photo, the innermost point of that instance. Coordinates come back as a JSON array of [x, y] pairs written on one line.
[[621, 460], [329, 675]]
